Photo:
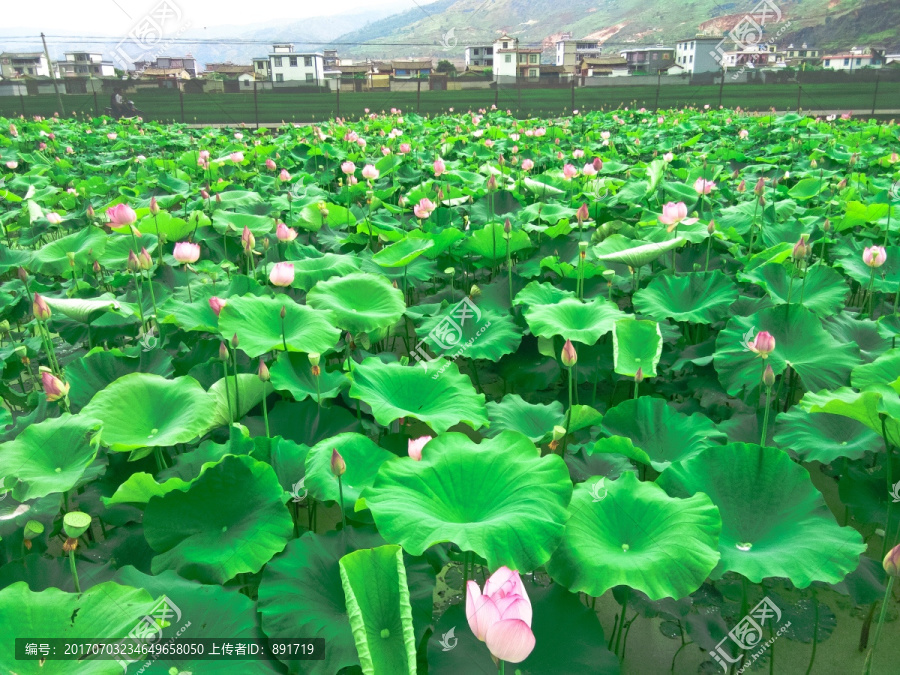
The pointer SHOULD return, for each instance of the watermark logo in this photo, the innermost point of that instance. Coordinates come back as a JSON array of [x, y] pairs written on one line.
[[895, 493], [296, 489], [150, 627], [748, 33], [598, 490], [748, 634], [449, 40], [148, 341], [449, 640], [145, 39], [448, 334]]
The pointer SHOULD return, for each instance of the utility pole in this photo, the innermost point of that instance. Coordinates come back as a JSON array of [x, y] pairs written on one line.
[[62, 110]]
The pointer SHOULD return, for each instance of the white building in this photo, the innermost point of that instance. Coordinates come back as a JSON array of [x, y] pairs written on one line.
[[22, 64], [699, 54], [570, 53], [512, 63], [480, 56], [86, 64], [854, 59], [283, 64]]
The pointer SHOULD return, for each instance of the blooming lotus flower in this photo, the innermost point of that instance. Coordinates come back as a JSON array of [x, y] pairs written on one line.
[[348, 168], [675, 213], [703, 186], [501, 615], [237, 157], [763, 344], [216, 304], [405, 148], [604, 135], [743, 133], [424, 208], [285, 233], [121, 215], [369, 172], [668, 157], [11, 164], [284, 176], [185, 252], [13, 131], [54, 387], [282, 274], [203, 154], [578, 154], [270, 165], [569, 172], [439, 167], [589, 170], [112, 136], [54, 218], [415, 445], [874, 256], [527, 164]]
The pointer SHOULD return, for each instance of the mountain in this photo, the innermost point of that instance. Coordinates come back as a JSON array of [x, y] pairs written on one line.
[[442, 29]]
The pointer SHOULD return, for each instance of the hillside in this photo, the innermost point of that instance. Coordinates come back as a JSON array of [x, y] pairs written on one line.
[[443, 29]]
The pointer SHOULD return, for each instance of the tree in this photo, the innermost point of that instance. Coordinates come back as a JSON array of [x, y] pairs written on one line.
[[444, 66]]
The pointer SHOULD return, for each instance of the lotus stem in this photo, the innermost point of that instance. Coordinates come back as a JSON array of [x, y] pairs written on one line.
[[812, 657], [265, 412], [158, 239], [708, 245], [237, 393], [509, 269], [465, 572], [765, 426], [341, 497], [78, 585], [160, 460], [870, 291], [622, 623], [889, 469], [501, 668], [140, 299], [227, 393], [152, 297], [884, 605]]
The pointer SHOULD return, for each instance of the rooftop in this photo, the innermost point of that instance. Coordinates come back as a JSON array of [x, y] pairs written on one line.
[[411, 65], [22, 55], [647, 49], [606, 61]]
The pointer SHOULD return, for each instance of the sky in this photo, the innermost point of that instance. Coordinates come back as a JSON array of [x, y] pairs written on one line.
[[116, 17]]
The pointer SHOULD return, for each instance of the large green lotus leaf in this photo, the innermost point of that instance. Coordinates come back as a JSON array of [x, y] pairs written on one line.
[[568, 639], [887, 277], [224, 221], [258, 325], [500, 499], [142, 410], [823, 291], [250, 391], [374, 581], [629, 533], [198, 315], [574, 320], [538, 293], [441, 400], [361, 302], [489, 335], [843, 327], [490, 242], [637, 256], [363, 459], [820, 437], [308, 272], [231, 520], [172, 227], [50, 456], [118, 248], [701, 297], [534, 420], [106, 611], [821, 361], [235, 616], [86, 310], [53, 258], [292, 372], [865, 407], [660, 434], [99, 368], [774, 521], [139, 487], [636, 345], [402, 252], [286, 457], [301, 594], [883, 370]]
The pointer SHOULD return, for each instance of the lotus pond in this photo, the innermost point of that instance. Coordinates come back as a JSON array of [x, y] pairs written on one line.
[[467, 394]]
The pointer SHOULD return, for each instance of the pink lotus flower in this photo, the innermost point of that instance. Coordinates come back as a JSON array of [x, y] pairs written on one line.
[[703, 186], [203, 154], [527, 165], [13, 131], [874, 256], [569, 172], [270, 165], [11, 164], [185, 252], [439, 167], [238, 135], [40, 308], [604, 135], [514, 137], [112, 136], [282, 274], [70, 150], [763, 344], [501, 616], [348, 168], [54, 218], [743, 133], [405, 148], [589, 170], [248, 241], [675, 213], [668, 157], [578, 154], [415, 445], [54, 387], [385, 150], [369, 172], [216, 304], [352, 180], [424, 208], [121, 214], [42, 146], [361, 142], [284, 176], [285, 233], [237, 157]]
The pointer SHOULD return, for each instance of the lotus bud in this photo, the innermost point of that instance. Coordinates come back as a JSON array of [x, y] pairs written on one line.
[[90, 211], [223, 351], [204, 194], [23, 275], [760, 186], [891, 562], [492, 183], [248, 241], [842, 184], [639, 375], [283, 313], [40, 308], [826, 227], [582, 213], [507, 226], [711, 228], [763, 344], [263, 372], [76, 523], [813, 163], [801, 249], [338, 466], [71, 256], [216, 304], [133, 263], [742, 186], [769, 377], [154, 206], [569, 355], [234, 341], [96, 267]]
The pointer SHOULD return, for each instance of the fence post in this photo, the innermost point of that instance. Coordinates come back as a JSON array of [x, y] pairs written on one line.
[[255, 106], [799, 94], [658, 85], [338, 113], [181, 101], [22, 101], [518, 99], [497, 94], [721, 86], [96, 104], [419, 95], [875, 95], [573, 96]]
